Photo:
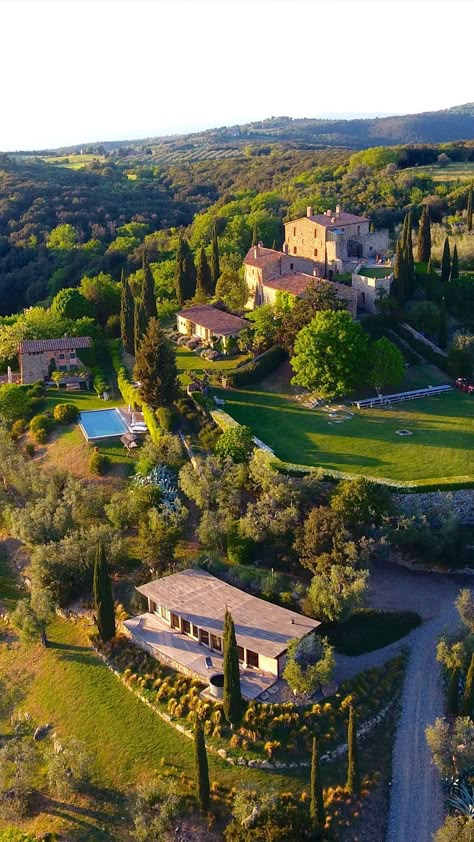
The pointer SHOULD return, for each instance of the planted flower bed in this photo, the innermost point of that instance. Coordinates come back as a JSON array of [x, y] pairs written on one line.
[[281, 731]]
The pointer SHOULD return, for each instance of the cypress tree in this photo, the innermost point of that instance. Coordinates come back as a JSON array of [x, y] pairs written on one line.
[[155, 367], [232, 701], [215, 266], [469, 208], [201, 766], [454, 265], [316, 804], [408, 254], [453, 692], [148, 292], [372, 228], [445, 262], [467, 705], [423, 247], [353, 773], [140, 323], [103, 600], [255, 235], [185, 273], [399, 274], [443, 325], [203, 274], [127, 316]]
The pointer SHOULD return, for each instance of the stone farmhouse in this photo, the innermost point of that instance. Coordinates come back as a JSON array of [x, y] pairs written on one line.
[[184, 627], [321, 246], [36, 356], [209, 323]]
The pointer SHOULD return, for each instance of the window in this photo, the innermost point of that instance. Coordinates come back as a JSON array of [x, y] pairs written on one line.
[[174, 621], [216, 642], [61, 356], [291, 265], [195, 631], [72, 355], [294, 232], [358, 230], [252, 658], [240, 651], [165, 613], [315, 233], [294, 250], [186, 627], [204, 637], [315, 252]]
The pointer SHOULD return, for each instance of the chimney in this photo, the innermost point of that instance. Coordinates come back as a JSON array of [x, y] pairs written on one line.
[[338, 210], [315, 272], [333, 218], [255, 252], [309, 211], [285, 248], [328, 212], [260, 244]]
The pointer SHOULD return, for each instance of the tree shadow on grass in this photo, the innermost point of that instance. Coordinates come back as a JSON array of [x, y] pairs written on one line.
[[78, 814], [67, 647]]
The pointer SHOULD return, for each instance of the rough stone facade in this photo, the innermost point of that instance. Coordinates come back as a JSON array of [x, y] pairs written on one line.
[[368, 288], [36, 356]]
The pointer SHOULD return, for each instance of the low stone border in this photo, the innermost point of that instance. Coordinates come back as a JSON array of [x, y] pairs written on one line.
[[341, 749]]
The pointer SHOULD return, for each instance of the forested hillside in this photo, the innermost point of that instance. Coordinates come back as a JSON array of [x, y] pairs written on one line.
[[58, 224]]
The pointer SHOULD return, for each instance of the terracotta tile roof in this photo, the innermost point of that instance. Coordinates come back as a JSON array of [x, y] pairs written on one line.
[[344, 218], [259, 256], [292, 282], [220, 322], [202, 599], [65, 343]]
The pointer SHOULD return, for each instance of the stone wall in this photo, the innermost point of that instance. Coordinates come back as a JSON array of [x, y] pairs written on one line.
[[367, 289]]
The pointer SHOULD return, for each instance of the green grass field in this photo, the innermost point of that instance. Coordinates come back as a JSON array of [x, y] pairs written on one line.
[[73, 162], [187, 360], [83, 400], [441, 445], [456, 171], [375, 271]]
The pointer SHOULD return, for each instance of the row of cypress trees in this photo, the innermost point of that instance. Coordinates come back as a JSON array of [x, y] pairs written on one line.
[[200, 281], [135, 313], [404, 277]]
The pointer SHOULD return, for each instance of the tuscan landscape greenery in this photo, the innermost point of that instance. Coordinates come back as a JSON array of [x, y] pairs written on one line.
[[254, 465]]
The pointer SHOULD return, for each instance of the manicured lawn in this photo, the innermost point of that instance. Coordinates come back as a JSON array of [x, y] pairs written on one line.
[[375, 271], [441, 445], [83, 400], [187, 360]]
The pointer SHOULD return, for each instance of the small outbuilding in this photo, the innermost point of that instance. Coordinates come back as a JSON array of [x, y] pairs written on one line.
[[209, 324]]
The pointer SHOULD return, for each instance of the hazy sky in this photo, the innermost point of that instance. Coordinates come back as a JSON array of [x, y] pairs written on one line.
[[88, 70]]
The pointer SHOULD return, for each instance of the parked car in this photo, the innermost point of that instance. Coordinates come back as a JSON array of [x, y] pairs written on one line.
[[463, 384]]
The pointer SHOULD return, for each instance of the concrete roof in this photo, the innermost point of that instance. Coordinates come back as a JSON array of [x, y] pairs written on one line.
[[65, 343], [202, 599], [219, 321]]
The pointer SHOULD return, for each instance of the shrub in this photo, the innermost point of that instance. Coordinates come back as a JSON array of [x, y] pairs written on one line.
[[29, 449], [369, 628], [65, 413], [18, 428], [236, 443], [209, 435], [166, 418], [40, 426], [240, 550], [112, 327], [98, 462], [258, 368]]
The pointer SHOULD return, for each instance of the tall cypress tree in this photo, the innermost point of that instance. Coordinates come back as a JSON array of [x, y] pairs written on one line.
[[316, 804], [103, 600], [140, 323], [215, 265], [467, 705], [445, 262], [399, 274], [408, 255], [469, 208], [453, 692], [201, 766], [203, 274], [185, 272], [255, 235], [232, 701], [443, 325], [155, 367], [127, 316], [353, 773], [454, 275], [423, 246], [148, 291]]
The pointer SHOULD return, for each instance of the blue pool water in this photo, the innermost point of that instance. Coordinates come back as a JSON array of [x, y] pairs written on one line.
[[102, 423]]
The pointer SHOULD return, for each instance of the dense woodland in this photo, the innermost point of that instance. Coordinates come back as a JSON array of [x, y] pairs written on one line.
[[58, 225]]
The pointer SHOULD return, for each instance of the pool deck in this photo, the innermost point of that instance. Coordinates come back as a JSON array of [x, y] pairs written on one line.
[[181, 651], [128, 419]]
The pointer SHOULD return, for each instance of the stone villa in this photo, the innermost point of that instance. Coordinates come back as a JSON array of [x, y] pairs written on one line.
[[209, 323], [184, 627], [321, 246], [37, 356]]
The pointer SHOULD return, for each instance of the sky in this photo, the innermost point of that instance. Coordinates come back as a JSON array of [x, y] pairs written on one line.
[[77, 71]]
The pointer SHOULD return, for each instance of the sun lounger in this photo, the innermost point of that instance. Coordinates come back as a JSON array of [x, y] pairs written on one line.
[[209, 663]]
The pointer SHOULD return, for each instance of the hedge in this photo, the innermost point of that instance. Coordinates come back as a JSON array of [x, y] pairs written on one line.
[[130, 393], [258, 368], [423, 349]]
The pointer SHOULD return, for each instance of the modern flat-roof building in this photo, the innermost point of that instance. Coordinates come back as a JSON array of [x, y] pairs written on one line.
[[185, 621], [38, 356]]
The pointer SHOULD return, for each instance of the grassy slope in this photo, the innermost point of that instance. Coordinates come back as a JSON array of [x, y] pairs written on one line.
[[441, 445]]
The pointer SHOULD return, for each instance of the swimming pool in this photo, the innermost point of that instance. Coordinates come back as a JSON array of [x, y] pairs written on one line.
[[102, 424]]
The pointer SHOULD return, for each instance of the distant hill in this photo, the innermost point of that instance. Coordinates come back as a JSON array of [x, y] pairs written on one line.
[[452, 124]]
